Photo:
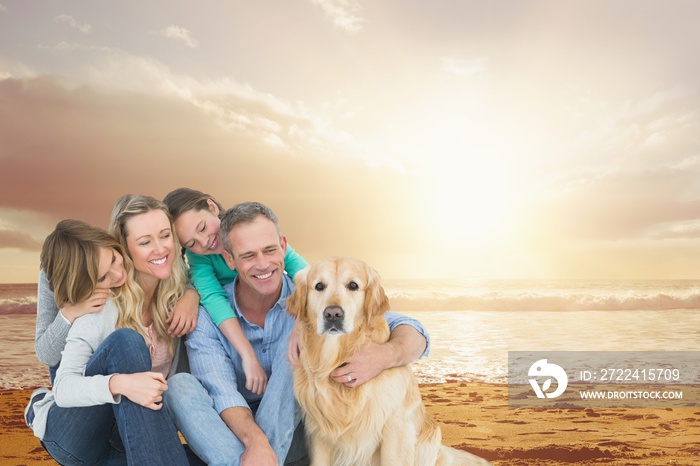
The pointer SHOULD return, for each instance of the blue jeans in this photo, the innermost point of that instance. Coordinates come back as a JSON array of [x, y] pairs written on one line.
[[114, 434], [210, 438]]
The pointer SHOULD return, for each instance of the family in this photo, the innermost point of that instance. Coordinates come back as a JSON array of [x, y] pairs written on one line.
[[145, 346]]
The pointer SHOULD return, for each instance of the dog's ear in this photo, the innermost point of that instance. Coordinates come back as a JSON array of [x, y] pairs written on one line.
[[376, 302], [296, 303]]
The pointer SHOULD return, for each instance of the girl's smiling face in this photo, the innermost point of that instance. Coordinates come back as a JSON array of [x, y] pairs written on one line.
[[198, 230], [110, 271]]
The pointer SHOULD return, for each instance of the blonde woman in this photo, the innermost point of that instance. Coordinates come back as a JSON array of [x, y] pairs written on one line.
[[156, 277], [108, 374]]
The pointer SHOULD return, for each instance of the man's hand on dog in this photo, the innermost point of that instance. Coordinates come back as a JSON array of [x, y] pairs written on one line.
[[368, 363]]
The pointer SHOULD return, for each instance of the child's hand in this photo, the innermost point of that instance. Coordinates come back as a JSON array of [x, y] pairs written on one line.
[[94, 303], [183, 319], [255, 377]]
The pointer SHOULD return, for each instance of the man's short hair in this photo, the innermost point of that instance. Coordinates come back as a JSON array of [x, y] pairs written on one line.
[[245, 212]]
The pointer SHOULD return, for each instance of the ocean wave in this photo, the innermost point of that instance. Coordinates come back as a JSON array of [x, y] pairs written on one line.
[[516, 295], [18, 305], [535, 301]]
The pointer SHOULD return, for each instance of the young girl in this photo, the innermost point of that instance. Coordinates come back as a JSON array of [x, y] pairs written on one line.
[[108, 372], [53, 321], [197, 224]]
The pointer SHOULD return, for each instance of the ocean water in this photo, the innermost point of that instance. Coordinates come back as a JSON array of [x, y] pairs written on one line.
[[473, 324], [541, 295]]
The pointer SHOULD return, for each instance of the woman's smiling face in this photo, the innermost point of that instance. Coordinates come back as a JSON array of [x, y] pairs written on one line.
[[150, 243]]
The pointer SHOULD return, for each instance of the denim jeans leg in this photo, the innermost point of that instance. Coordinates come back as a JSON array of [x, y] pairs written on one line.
[[149, 436], [278, 413], [192, 410], [76, 436], [298, 454]]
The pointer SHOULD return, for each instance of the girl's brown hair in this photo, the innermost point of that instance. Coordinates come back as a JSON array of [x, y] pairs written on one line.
[[183, 200], [70, 257]]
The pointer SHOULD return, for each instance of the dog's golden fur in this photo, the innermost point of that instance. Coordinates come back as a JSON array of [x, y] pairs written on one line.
[[382, 422]]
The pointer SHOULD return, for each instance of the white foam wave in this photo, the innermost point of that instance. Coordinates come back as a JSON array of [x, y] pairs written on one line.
[[539, 296], [18, 305], [536, 302]]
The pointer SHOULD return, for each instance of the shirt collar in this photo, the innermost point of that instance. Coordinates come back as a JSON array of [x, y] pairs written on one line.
[[287, 288]]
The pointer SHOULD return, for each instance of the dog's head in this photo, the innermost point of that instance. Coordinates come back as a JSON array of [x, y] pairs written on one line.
[[335, 296]]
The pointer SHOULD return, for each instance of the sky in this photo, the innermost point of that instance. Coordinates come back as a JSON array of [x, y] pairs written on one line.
[[441, 139]]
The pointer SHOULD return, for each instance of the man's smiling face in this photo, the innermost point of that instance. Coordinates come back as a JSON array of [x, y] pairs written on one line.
[[258, 255]]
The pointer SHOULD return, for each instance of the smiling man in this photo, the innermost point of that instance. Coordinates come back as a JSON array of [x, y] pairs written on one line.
[[229, 425], [255, 247]]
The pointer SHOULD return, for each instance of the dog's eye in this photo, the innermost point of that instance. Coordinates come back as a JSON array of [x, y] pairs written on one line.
[[320, 286], [352, 286]]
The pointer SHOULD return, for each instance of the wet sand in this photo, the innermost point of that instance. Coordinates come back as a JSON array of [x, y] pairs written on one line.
[[476, 417]]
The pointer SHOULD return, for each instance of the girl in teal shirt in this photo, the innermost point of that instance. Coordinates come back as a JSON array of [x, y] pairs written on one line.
[[197, 224]]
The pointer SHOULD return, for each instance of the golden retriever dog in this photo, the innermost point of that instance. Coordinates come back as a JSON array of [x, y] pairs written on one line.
[[339, 304]]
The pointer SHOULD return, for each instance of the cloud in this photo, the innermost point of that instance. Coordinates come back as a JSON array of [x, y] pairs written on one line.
[[72, 22], [18, 240], [178, 33], [14, 69], [464, 68], [64, 46], [72, 150], [679, 231], [692, 162], [166, 116], [343, 13], [628, 170], [620, 205], [650, 124], [291, 127]]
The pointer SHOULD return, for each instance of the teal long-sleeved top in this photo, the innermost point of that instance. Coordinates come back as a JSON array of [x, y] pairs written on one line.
[[210, 273]]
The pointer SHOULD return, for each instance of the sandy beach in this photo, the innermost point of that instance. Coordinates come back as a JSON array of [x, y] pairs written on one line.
[[476, 417]]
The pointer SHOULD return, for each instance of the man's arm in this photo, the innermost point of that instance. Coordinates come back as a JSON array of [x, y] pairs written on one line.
[[257, 447], [408, 341]]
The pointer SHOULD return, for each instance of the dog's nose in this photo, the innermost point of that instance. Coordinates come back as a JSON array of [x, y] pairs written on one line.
[[333, 313]]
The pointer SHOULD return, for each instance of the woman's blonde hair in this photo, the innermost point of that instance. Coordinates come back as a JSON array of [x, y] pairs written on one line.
[[168, 291], [70, 257]]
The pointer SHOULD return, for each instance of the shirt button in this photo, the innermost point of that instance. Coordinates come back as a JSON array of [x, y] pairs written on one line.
[[264, 350]]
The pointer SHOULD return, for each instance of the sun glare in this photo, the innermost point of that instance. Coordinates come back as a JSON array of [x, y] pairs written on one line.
[[466, 161], [470, 200]]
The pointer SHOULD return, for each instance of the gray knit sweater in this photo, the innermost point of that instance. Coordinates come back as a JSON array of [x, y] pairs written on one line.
[[51, 327]]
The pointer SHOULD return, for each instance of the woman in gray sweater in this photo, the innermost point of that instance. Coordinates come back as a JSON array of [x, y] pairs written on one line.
[[53, 323], [115, 361]]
